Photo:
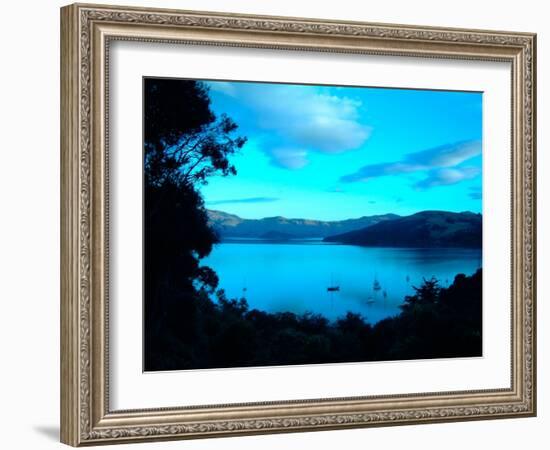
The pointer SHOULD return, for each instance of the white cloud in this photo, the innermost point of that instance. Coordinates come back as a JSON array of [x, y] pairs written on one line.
[[294, 120], [289, 158], [447, 176]]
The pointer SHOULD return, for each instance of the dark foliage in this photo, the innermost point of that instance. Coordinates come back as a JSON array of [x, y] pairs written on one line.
[[184, 143], [174, 108], [434, 323]]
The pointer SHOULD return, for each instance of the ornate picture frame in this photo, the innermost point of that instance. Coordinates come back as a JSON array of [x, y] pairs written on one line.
[[87, 31]]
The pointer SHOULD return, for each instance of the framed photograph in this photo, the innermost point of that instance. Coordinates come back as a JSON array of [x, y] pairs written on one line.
[[276, 224]]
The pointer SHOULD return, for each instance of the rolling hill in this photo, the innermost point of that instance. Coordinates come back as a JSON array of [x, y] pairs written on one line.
[[423, 229], [232, 226]]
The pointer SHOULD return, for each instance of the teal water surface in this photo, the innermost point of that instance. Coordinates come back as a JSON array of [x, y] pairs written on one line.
[[294, 276]]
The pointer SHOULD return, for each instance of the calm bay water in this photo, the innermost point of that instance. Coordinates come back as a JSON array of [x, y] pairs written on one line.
[[294, 277]]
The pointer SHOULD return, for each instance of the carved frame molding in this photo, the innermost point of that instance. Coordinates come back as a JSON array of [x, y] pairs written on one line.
[[86, 31]]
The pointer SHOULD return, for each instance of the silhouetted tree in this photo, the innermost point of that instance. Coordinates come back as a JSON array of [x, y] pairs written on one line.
[[424, 296], [184, 144], [184, 141]]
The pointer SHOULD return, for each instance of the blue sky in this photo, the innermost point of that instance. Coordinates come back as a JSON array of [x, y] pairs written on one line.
[[332, 153]]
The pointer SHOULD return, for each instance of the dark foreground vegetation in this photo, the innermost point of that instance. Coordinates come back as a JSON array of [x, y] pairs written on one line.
[[190, 324], [434, 323]]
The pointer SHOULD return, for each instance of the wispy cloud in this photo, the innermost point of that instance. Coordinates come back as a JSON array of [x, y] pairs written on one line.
[[440, 161], [475, 193], [336, 189], [444, 177], [292, 120], [244, 200]]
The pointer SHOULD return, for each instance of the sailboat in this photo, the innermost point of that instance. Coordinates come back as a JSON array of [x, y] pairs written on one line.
[[333, 287], [245, 289], [376, 285]]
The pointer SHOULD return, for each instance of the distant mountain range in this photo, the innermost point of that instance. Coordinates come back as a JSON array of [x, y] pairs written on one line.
[[281, 228], [423, 229]]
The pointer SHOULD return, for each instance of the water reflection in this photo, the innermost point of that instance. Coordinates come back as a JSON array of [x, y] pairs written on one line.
[[297, 276]]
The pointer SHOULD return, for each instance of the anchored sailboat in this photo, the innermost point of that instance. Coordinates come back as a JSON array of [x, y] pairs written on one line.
[[333, 287], [376, 285]]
